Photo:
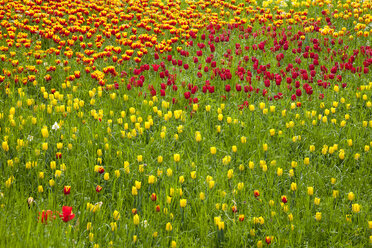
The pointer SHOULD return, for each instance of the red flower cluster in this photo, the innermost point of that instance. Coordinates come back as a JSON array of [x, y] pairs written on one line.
[[47, 215]]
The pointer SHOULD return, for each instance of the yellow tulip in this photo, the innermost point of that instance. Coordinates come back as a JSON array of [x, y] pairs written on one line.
[[116, 215], [136, 220], [183, 203]]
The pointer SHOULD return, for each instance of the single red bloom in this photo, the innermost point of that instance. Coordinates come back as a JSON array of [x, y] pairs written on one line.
[[67, 214], [101, 170], [234, 209], [284, 199], [66, 190], [58, 155], [153, 197], [256, 193], [187, 94], [98, 189], [268, 240], [157, 209], [227, 88]]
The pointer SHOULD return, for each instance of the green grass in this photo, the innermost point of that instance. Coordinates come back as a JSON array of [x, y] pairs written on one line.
[[115, 124]]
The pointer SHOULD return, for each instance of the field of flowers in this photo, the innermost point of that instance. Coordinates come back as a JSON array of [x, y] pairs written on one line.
[[211, 123]]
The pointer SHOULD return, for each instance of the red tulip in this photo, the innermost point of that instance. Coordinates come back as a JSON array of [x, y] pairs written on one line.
[[67, 214], [187, 94], [234, 209], [153, 197], [268, 240], [194, 89], [98, 189], [66, 190], [58, 155], [298, 92], [155, 67], [212, 47], [284, 199], [211, 89], [204, 89], [264, 92]]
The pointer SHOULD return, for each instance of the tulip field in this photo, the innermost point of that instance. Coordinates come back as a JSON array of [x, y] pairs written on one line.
[[182, 123]]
